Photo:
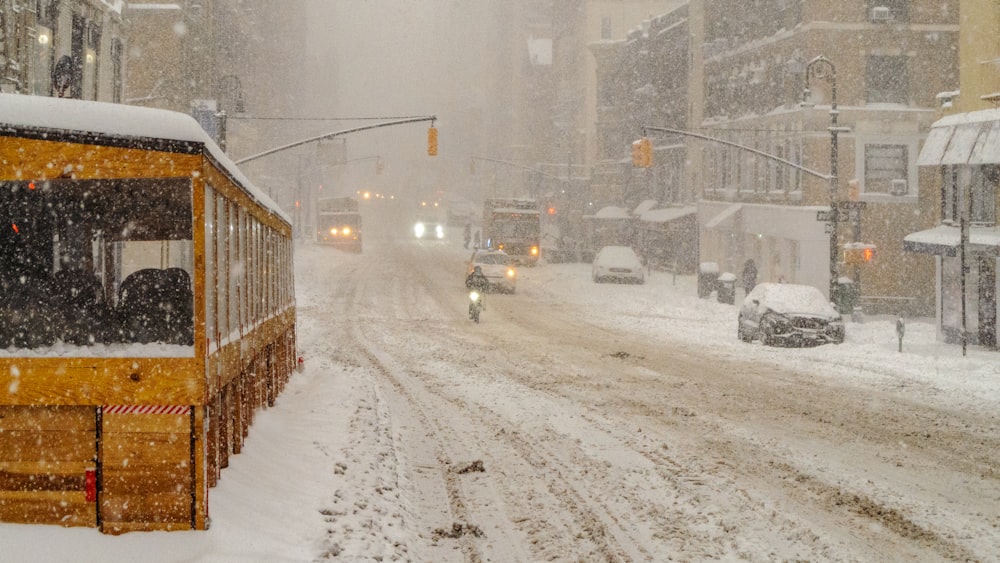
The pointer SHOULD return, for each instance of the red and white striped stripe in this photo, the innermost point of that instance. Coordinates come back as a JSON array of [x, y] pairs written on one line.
[[146, 409]]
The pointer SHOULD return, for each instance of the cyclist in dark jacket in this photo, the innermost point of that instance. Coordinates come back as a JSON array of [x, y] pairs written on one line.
[[477, 280]]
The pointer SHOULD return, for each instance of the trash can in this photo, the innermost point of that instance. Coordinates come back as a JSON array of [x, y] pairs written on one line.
[[708, 275], [725, 288], [845, 296]]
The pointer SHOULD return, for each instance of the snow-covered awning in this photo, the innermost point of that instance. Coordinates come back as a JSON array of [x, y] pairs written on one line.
[[644, 206], [113, 5], [944, 240], [610, 212], [726, 218], [666, 215], [967, 138]]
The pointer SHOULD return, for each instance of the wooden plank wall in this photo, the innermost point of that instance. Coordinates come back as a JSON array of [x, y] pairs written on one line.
[[45, 453], [146, 472]]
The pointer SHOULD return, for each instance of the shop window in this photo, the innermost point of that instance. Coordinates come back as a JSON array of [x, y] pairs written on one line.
[[982, 194]]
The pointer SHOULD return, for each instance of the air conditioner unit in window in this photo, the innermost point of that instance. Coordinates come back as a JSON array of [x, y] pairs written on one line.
[[881, 14], [898, 187]]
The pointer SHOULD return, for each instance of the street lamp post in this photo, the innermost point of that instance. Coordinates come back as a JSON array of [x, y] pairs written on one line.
[[229, 85], [822, 69]]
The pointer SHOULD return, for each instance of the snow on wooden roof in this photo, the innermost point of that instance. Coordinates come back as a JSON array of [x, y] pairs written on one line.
[[86, 121]]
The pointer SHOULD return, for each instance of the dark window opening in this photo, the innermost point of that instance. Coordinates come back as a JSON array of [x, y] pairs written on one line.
[[68, 249], [887, 79]]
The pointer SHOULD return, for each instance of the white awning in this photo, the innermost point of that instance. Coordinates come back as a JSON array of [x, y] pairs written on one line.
[[965, 138], [934, 146], [987, 149], [944, 240], [667, 215], [726, 218]]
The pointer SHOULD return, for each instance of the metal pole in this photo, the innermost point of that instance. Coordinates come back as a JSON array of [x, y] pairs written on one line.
[[334, 134], [834, 204], [829, 72]]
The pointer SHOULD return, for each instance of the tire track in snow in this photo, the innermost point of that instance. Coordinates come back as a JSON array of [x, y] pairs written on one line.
[[748, 458]]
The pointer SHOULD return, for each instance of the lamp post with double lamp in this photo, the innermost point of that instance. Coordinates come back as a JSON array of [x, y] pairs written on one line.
[[822, 69]]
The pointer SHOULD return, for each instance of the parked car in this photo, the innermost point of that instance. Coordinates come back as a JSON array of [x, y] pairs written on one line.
[[784, 314], [496, 266], [619, 264]]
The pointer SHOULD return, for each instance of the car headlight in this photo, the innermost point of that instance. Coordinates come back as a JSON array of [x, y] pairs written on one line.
[[333, 231], [511, 273], [346, 231], [418, 229], [439, 230]]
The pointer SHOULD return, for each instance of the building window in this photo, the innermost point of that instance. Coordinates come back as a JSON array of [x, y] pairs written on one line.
[[982, 194], [41, 83], [949, 194], [606, 28], [889, 10], [885, 167], [117, 51], [887, 79]]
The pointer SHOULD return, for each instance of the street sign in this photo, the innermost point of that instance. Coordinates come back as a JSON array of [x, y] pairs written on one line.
[[825, 215]]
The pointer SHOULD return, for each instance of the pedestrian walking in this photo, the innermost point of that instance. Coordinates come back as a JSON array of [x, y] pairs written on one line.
[[749, 275]]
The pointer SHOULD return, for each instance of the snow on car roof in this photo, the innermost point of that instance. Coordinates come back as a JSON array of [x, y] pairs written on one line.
[[793, 298], [43, 116]]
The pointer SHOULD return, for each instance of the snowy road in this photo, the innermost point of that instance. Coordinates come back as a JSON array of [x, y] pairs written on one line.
[[550, 432], [584, 422]]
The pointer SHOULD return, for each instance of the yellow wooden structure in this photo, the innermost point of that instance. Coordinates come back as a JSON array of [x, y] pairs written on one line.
[[120, 411]]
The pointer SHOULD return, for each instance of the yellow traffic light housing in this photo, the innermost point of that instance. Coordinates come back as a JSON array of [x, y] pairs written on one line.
[[642, 153], [859, 253], [432, 141], [646, 152]]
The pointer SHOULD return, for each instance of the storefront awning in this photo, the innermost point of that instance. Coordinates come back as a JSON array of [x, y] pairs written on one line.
[[944, 240], [667, 215], [726, 219], [965, 138]]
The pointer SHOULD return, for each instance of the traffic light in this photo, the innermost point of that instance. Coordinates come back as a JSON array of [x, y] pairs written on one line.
[[859, 254], [432, 141], [645, 152], [642, 153]]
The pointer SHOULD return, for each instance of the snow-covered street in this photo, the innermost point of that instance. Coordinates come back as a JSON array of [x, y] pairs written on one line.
[[585, 422]]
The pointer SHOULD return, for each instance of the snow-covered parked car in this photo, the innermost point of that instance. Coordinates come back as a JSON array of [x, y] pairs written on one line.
[[619, 264], [789, 315]]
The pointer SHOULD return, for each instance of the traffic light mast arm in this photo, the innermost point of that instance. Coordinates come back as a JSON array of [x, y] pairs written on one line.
[[430, 118], [741, 147]]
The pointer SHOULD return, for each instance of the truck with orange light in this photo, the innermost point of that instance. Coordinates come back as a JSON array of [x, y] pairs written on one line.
[[514, 226], [338, 223]]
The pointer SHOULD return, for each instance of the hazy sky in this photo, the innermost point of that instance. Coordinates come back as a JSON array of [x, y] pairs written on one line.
[[399, 58]]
